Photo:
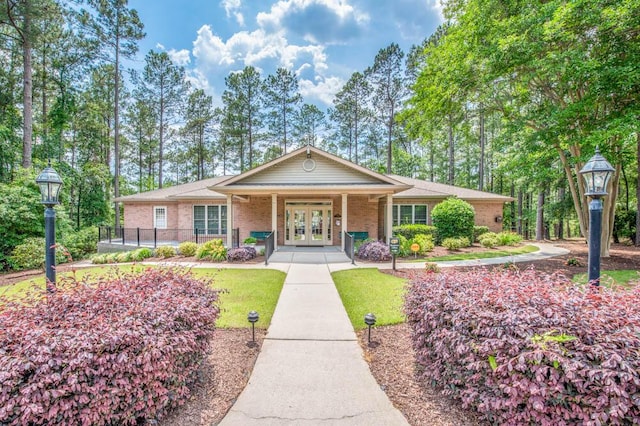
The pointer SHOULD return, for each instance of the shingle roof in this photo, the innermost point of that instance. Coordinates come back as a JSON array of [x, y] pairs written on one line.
[[421, 189], [425, 189], [195, 190]]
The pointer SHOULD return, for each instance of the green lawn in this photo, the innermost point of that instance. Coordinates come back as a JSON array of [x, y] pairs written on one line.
[[612, 278], [489, 254], [244, 290], [369, 290]]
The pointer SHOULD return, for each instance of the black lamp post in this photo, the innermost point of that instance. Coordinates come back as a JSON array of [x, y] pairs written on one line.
[[596, 173], [370, 320], [49, 182], [253, 317]]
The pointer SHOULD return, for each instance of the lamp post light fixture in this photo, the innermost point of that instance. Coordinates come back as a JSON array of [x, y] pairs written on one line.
[[596, 174], [50, 183], [253, 317], [370, 320]]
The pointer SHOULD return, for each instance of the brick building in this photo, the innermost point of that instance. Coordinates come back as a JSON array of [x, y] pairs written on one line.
[[307, 196]]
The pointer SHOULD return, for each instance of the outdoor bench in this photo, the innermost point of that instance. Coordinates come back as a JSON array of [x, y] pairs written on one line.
[[359, 235], [259, 235]]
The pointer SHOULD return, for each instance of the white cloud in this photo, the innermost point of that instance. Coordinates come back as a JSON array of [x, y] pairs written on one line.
[[180, 57], [280, 10], [252, 48], [323, 89], [231, 7], [316, 21]]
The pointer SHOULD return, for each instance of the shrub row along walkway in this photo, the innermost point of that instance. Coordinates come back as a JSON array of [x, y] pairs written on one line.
[[310, 369]]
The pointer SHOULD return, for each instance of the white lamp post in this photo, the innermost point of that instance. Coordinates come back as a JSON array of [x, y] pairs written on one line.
[[596, 174], [49, 182]]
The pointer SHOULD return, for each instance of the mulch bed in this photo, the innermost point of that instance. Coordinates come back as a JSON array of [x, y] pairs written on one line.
[[223, 376]]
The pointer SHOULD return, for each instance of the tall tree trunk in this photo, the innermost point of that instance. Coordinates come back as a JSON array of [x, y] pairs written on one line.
[[638, 191], [452, 176], [513, 208], [390, 143], [116, 128], [431, 161], [560, 232], [27, 89], [482, 148], [540, 216], [520, 202], [161, 141]]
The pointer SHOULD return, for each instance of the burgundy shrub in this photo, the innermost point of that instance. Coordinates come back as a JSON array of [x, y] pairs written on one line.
[[241, 254], [376, 251], [525, 348], [116, 350]]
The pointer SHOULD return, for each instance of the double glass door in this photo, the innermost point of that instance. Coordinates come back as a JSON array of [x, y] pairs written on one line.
[[308, 224]]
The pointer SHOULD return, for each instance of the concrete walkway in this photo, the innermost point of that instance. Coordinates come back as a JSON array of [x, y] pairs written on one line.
[[310, 370]]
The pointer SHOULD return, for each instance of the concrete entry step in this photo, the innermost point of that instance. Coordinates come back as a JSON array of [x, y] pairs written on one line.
[[314, 255]]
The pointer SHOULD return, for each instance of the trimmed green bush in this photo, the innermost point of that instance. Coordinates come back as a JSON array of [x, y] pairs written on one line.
[[165, 252], [409, 231], [99, 259], [453, 218], [212, 250], [455, 243], [250, 240], [489, 240], [404, 248], [82, 243], [187, 248], [141, 254], [425, 242], [30, 254], [509, 238], [478, 231], [123, 257]]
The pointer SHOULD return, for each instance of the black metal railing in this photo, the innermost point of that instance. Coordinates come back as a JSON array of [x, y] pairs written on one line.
[[269, 246], [349, 246], [152, 237]]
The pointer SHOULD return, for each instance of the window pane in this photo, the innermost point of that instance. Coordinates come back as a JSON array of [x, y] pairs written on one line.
[[420, 214], [213, 220], [160, 217], [199, 222], [223, 219], [395, 215], [406, 214]]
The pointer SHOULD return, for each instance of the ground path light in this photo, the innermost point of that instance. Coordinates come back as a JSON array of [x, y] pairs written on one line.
[[370, 320], [253, 317]]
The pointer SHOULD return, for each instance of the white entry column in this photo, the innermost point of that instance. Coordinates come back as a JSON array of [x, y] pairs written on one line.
[[274, 219], [230, 220], [344, 218], [388, 226]]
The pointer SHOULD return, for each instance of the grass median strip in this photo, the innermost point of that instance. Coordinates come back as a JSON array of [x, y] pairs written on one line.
[[489, 254], [244, 290], [624, 278], [369, 290]]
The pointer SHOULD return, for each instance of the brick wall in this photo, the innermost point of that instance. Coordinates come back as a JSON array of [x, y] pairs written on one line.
[[254, 215], [140, 215], [486, 212], [362, 215]]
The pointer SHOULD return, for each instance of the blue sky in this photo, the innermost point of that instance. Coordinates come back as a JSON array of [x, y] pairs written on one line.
[[323, 41]]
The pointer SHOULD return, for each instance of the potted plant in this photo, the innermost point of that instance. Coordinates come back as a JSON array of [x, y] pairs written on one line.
[[251, 241]]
